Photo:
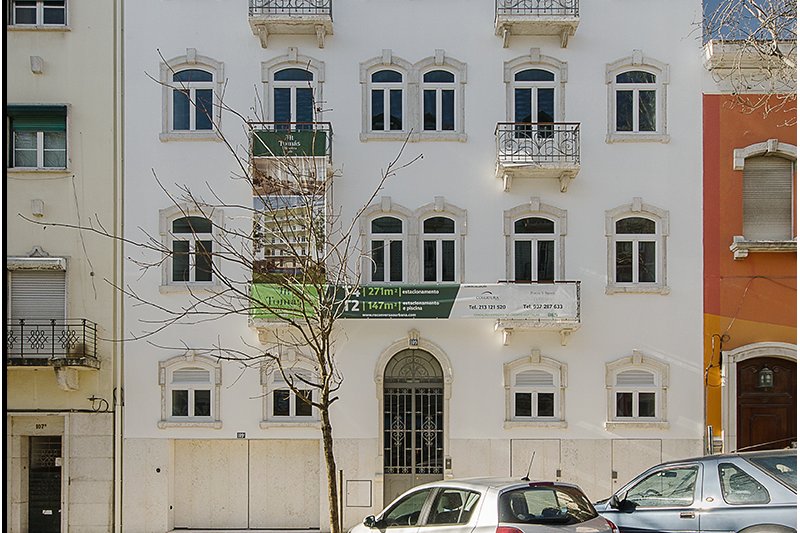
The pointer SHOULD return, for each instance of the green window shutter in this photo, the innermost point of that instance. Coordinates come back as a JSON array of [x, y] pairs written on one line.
[[37, 117]]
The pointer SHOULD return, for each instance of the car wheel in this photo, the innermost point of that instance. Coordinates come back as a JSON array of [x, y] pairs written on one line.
[[768, 528]]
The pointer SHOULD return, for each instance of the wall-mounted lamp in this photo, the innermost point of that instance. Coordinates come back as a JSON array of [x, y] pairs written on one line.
[[766, 378]]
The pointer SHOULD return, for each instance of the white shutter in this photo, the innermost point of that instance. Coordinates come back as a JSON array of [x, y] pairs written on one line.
[[191, 375], [636, 378], [37, 295], [534, 378], [767, 199]]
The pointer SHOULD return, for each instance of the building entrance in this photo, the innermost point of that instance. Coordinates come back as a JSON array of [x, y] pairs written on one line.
[[44, 485], [766, 403]]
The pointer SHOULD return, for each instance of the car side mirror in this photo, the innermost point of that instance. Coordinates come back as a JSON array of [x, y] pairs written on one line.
[[370, 521], [614, 501]]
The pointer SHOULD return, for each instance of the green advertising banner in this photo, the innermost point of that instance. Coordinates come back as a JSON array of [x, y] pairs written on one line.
[[279, 301], [400, 301], [303, 143]]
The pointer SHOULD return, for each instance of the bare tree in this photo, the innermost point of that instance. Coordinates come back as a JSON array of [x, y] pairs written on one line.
[[754, 46]]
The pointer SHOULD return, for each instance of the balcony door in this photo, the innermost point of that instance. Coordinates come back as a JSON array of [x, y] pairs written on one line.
[[293, 97], [534, 102], [413, 422], [44, 485]]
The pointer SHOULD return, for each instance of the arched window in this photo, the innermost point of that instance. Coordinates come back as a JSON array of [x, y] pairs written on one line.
[[190, 391], [637, 100], [386, 249], [535, 388], [386, 100], [637, 390], [288, 395], [191, 90], [637, 240], [190, 237], [438, 101], [534, 102], [439, 249], [535, 242], [293, 97]]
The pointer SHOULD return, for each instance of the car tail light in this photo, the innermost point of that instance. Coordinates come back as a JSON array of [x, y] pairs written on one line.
[[612, 525], [506, 529]]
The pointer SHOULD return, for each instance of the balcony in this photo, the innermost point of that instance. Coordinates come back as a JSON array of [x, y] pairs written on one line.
[[536, 17], [291, 17], [538, 150]]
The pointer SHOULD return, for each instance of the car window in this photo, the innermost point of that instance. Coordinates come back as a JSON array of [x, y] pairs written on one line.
[[545, 504], [453, 506], [738, 487], [665, 488], [781, 467], [406, 512]]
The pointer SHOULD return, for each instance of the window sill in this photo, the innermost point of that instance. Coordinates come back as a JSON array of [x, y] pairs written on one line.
[[513, 424], [37, 27], [188, 288], [385, 136], [636, 424], [637, 289], [637, 138], [211, 424], [741, 247], [202, 136], [37, 170], [427, 136], [268, 424]]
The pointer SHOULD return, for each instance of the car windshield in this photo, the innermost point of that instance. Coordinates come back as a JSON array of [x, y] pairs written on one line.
[[781, 467], [545, 504]]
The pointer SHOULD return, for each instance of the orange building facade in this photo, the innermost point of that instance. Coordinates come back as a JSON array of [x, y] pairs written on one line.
[[750, 275]]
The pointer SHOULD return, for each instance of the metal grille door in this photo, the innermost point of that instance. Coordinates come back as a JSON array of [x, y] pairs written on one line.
[[44, 485], [413, 433]]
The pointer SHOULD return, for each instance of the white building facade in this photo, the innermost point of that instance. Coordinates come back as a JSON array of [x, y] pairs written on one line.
[[561, 159]]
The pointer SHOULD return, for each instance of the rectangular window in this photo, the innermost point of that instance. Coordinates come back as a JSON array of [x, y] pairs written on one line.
[[624, 262], [38, 136], [624, 110], [204, 109], [647, 262], [647, 404], [546, 260], [180, 110], [429, 260], [429, 110], [203, 261], [39, 12], [522, 404], [396, 109], [522, 260], [396, 261], [180, 403], [180, 261], [448, 260], [545, 404], [647, 111], [302, 407], [448, 110], [202, 403], [377, 110], [282, 102], [377, 261], [625, 404], [304, 107], [280, 402]]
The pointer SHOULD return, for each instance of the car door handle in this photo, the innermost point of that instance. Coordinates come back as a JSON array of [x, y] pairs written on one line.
[[687, 514]]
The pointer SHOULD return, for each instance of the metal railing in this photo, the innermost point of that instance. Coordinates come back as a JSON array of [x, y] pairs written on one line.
[[549, 8], [549, 143], [291, 7], [50, 338]]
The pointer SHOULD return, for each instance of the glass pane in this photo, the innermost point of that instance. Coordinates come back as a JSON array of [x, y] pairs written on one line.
[[522, 261], [448, 110], [280, 402], [54, 13], [387, 225], [546, 261], [203, 267], [282, 104], [24, 12], [407, 511], [522, 404], [377, 110], [180, 261], [24, 159], [25, 144], [429, 260], [448, 260], [301, 407], [180, 403], [636, 225], [55, 140], [624, 110], [522, 105], [624, 262], [546, 404], [25, 140], [294, 74], [636, 76], [439, 76], [647, 111], [534, 74], [202, 403], [439, 225], [781, 467], [190, 75], [180, 110], [305, 106], [647, 404], [204, 109], [55, 158], [191, 225], [673, 487], [647, 262], [387, 76], [396, 261], [738, 487], [377, 261], [534, 225], [624, 404], [395, 109], [429, 110], [546, 105]]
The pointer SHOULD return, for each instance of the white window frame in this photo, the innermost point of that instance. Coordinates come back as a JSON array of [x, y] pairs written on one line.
[[191, 60], [440, 208], [166, 218], [661, 218], [741, 247], [39, 24], [295, 364], [189, 360], [39, 145], [292, 59], [535, 208], [535, 361], [535, 60], [639, 362], [386, 61], [409, 238], [637, 61], [438, 87]]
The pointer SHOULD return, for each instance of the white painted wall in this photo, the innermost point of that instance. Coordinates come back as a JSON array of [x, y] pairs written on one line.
[[666, 327]]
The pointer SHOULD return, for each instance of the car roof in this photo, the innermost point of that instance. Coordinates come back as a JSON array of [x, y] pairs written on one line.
[[786, 452], [498, 483]]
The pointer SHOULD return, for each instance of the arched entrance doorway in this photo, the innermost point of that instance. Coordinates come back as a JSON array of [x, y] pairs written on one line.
[[413, 421]]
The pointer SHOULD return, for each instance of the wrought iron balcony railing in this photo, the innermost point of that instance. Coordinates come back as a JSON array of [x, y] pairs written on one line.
[[291, 7], [51, 339], [540, 143], [542, 8]]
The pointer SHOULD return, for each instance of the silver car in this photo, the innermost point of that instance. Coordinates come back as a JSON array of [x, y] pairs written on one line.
[[751, 492], [489, 505]]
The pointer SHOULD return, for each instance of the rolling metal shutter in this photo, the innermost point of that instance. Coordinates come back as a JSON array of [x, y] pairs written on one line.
[[37, 295], [767, 199]]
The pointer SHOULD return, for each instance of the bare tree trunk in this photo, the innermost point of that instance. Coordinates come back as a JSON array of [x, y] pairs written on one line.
[[330, 468]]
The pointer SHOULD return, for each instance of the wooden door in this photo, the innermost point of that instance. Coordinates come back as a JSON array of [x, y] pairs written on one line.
[[766, 417]]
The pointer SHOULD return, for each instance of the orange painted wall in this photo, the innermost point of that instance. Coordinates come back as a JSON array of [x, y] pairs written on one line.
[[752, 299]]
